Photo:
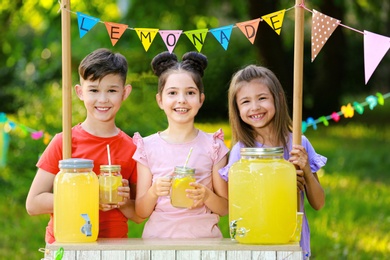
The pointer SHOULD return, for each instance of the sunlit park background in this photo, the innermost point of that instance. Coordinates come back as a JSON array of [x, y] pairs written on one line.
[[355, 222]]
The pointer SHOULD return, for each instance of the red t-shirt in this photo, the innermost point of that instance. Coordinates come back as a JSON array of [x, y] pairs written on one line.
[[112, 223]]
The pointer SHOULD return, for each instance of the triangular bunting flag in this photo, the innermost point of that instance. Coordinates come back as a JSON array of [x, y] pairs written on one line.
[[275, 20], [86, 23], [197, 37], [249, 29], [115, 31], [375, 48], [322, 28], [170, 38], [222, 34], [146, 36]]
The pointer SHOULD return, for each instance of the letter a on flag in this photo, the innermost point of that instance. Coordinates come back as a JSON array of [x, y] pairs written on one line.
[[249, 29], [222, 34], [146, 36], [86, 23], [275, 20]]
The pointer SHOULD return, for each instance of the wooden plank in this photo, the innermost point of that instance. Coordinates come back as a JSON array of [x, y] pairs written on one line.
[[138, 255], [213, 254], [289, 255], [87, 255], [163, 254], [113, 254], [188, 254], [235, 255], [266, 255]]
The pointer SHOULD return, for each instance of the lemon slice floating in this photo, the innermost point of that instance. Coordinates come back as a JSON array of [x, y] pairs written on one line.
[[110, 182]]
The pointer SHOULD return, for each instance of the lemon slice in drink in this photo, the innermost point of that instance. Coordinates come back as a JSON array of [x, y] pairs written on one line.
[[110, 182]]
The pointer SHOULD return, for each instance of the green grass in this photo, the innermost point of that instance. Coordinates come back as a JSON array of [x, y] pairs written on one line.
[[354, 224]]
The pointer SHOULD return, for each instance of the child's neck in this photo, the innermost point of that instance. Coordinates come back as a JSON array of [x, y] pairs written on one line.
[[179, 135], [267, 137], [100, 129]]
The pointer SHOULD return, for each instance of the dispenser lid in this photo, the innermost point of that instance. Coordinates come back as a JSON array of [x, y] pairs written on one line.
[[74, 163], [248, 151]]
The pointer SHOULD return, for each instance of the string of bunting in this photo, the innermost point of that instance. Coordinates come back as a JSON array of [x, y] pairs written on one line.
[[375, 45], [347, 110]]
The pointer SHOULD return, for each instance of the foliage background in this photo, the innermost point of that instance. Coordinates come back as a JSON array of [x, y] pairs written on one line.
[[355, 223]]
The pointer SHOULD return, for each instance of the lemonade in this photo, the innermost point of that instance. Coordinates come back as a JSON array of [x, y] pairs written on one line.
[[109, 181], [180, 183], [262, 200], [76, 203]]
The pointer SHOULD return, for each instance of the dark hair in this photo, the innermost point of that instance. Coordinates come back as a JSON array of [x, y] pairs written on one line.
[[102, 62], [166, 63], [240, 130]]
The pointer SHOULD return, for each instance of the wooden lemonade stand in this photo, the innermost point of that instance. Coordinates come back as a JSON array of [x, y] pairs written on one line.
[[171, 249], [186, 249]]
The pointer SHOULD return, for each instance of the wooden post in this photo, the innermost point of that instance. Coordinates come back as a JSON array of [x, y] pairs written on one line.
[[66, 81], [298, 77]]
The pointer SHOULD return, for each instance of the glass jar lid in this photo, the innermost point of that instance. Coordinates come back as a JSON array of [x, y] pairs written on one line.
[[184, 170], [75, 163], [113, 168], [253, 151]]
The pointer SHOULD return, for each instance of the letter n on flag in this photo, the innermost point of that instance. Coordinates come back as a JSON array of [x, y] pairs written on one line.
[[249, 29], [197, 37]]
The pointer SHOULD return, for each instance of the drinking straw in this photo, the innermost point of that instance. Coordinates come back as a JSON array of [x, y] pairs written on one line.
[[108, 153], [188, 157], [109, 168]]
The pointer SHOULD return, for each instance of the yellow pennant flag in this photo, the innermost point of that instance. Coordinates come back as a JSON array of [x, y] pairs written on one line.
[[275, 20], [146, 36], [197, 37]]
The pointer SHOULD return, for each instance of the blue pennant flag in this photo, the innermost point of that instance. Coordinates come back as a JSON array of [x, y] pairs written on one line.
[[222, 34], [85, 23]]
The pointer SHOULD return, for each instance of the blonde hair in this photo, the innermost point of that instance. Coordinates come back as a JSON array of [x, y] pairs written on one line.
[[241, 131]]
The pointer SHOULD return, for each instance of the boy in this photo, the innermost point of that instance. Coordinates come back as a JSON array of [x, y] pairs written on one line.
[[102, 89]]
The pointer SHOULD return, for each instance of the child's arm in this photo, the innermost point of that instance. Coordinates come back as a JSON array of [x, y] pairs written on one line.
[[127, 207], [216, 201], [148, 192], [306, 178], [40, 197]]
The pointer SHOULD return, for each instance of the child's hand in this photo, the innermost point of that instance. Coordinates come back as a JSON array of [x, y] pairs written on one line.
[[162, 186], [199, 194], [300, 180], [300, 160], [123, 191], [298, 156]]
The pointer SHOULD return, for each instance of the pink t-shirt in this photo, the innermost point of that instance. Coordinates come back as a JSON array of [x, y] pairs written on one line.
[[161, 158]]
